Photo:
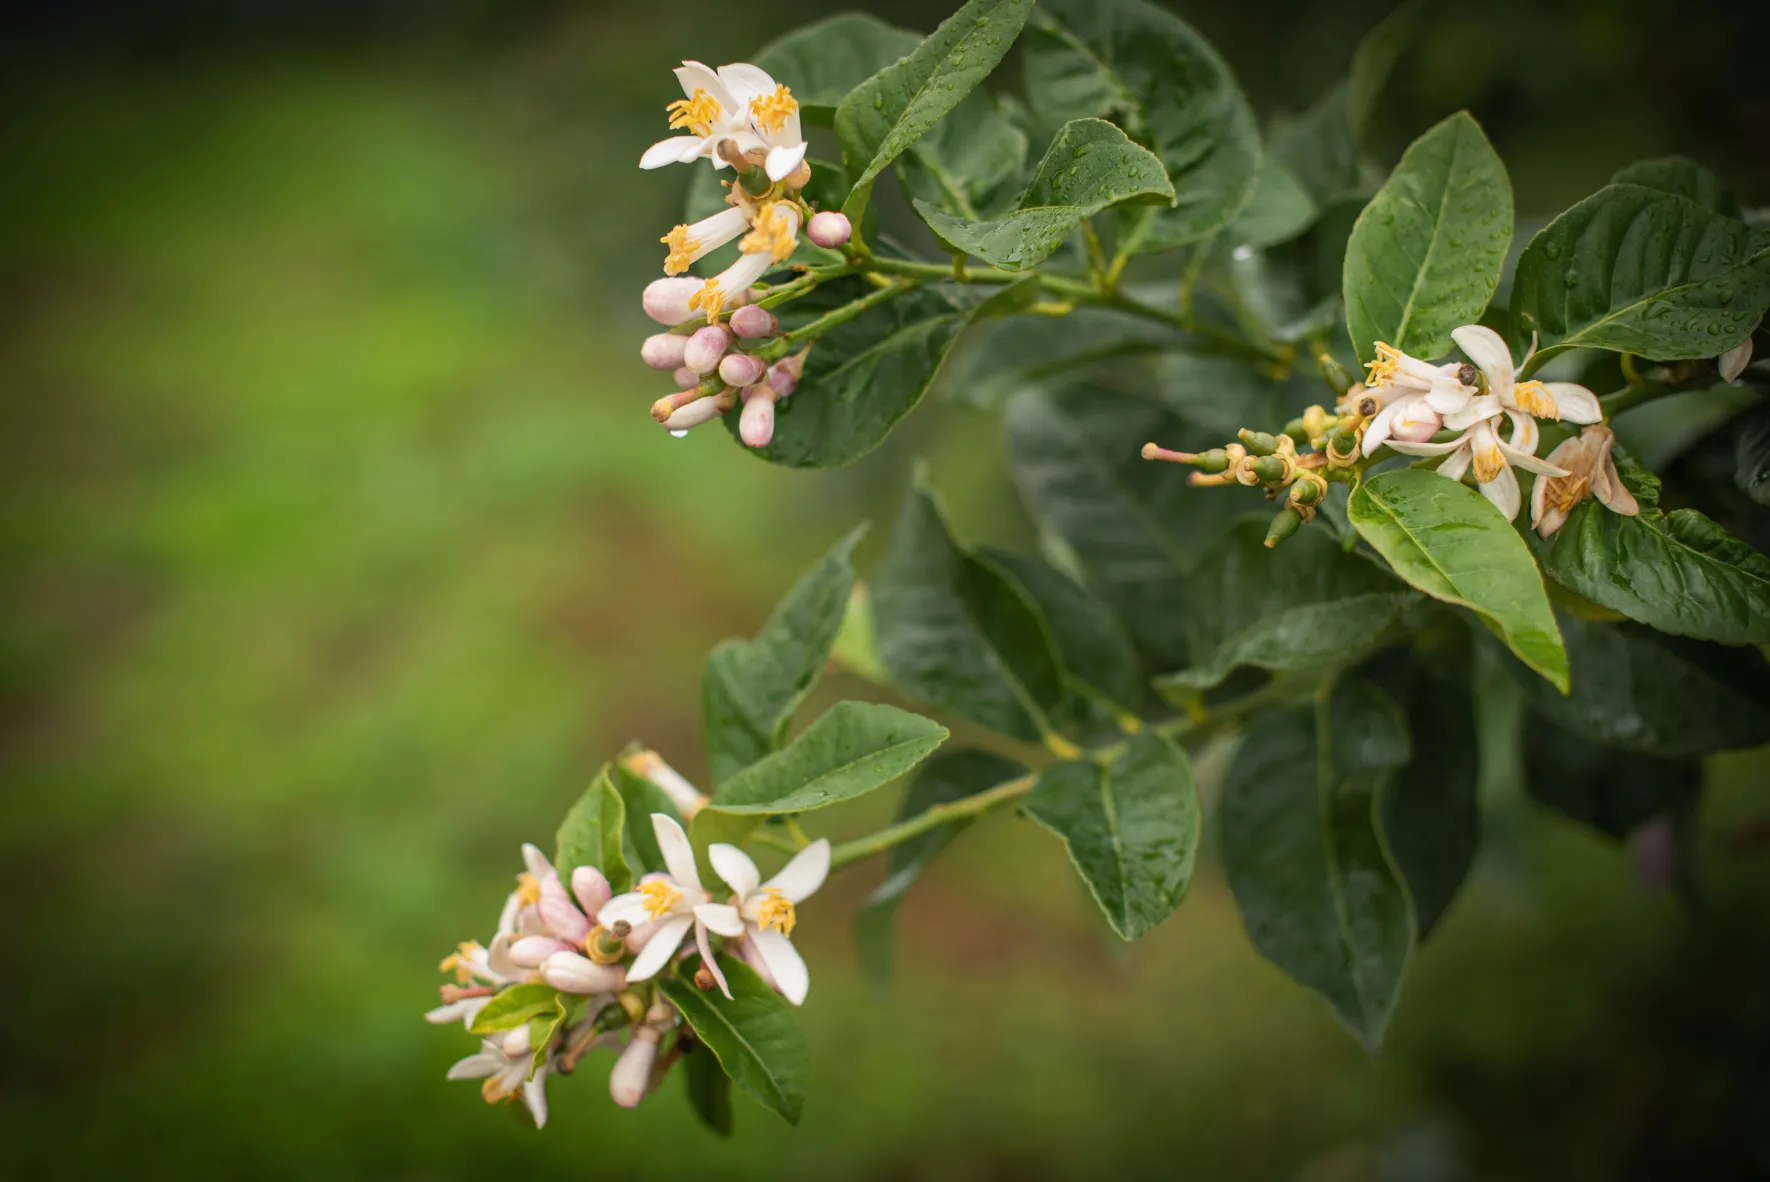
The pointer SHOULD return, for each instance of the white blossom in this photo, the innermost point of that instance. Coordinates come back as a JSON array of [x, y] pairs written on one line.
[[669, 905], [506, 1063], [735, 112], [767, 909]]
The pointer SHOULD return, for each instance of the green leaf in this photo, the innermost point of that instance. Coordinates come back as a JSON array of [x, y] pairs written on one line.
[[955, 633], [1642, 271], [641, 798], [1089, 167], [1450, 542], [1677, 571], [857, 643], [751, 688], [949, 776], [1305, 855], [891, 110], [1280, 209], [1000, 358], [969, 164], [1150, 72], [822, 62], [1603, 788], [1307, 604], [592, 834], [1752, 469], [1131, 826], [1091, 643], [1374, 60], [853, 748], [1664, 428], [709, 1090], [542, 1027], [1682, 177], [1136, 526], [1426, 253], [863, 377], [753, 1033], [513, 1007], [1660, 695]]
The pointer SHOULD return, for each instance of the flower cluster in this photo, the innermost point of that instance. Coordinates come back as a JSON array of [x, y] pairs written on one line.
[[737, 117], [597, 955], [1475, 417]]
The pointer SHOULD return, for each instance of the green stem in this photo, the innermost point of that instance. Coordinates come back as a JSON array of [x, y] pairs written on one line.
[[848, 311]]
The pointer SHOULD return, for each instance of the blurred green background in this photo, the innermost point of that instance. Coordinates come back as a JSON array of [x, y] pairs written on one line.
[[339, 551]]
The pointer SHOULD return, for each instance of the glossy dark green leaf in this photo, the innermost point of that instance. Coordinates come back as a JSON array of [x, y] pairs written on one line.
[[750, 688], [853, 748], [894, 108], [1090, 166], [1131, 826], [1426, 253], [1091, 643], [1306, 604], [1280, 209], [1150, 73], [593, 834], [1001, 358], [1603, 788], [1136, 526], [1450, 542], [1660, 695], [1659, 431], [1642, 271], [822, 62], [709, 1090], [958, 635], [1752, 468], [1677, 571], [752, 1033], [970, 164], [513, 1007], [1683, 177], [1304, 852], [949, 776]]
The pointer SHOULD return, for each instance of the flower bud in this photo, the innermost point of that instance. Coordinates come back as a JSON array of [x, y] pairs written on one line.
[[1307, 491], [783, 375], [1268, 469], [1416, 426], [561, 916], [798, 178], [701, 410], [663, 350], [515, 1042], [530, 952], [1258, 442], [666, 300], [741, 369], [1283, 526], [829, 229], [685, 377], [627, 1082], [591, 888], [663, 408], [705, 348], [570, 973], [756, 424], [753, 323]]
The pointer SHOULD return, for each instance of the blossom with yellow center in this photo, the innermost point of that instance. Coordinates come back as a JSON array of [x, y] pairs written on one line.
[[467, 954], [1567, 401], [1533, 397], [1481, 447], [660, 897], [697, 112], [737, 113], [506, 1063], [688, 243], [775, 230], [776, 911], [666, 907], [769, 910]]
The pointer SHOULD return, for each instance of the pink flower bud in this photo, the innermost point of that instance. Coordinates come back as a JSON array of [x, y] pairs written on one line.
[[632, 1073], [561, 916], [666, 300], [591, 888], [1416, 425], [529, 951], [663, 350], [686, 378], [828, 229], [741, 369], [705, 348], [783, 377], [701, 410], [756, 425], [570, 973], [752, 323]]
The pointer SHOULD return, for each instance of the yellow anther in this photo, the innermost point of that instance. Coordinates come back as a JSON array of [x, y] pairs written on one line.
[[660, 897], [1489, 463], [528, 889], [709, 300], [772, 231], [461, 960], [683, 250], [695, 113], [1534, 397], [771, 111], [776, 911], [1382, 370]]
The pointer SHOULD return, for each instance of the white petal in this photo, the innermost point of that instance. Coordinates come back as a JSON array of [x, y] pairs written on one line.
[[657, 951], [1487, 350], [570, 973], [785, 965], [507, 917], [530, 951], [707, 959], [632, 1071], [1502, 490], [1474, 411], [782, 161], [534, 1094], [1530, 463], [591, 889], [560, 914], [1378, 429], [736, 868], [1525, 434], [678, 149], [630, 907], [1539, 500], [722, 918], [678, 853], [536, 861], [1576, 403], [1456, 464], [1427, 449], [745, 82], [800, 878], [1448, 395], [477, 1066], [694, 76], [455, 1011]]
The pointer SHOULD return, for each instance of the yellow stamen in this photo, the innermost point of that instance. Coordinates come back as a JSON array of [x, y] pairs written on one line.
[[493, 1089], [709, 300], [459, 960], [772, 231], [776, 911], [1489, 463], [660, 897], [771, 111], [1382, 370], [1565, 491], [1534, 397], [695, 113], [528, 889], [683, 250]]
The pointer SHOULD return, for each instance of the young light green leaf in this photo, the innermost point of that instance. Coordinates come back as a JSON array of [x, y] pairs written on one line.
[[1131, 827], [753, 1033], [1304, 852], [1603, 788], [857, 643], [513, 1007], [888, 112], [1642, 271], [1660, 695], [1091, 644], [593, 833], [822, 62], [853, 748], [709, 1090], [1426, 253], [1089, 167], [970, 164], [1150, 72], [949, 776], [1450, 542], [750, 688], [1306, 605], [1683, 177], [542, 1027]]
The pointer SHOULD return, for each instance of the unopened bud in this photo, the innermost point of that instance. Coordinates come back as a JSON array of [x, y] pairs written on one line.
[[829, 229], [1344, 441], [701, 410], [1283, 526], [686, 377], [663, 350], [1307, 491], [1268, 469], [741, 369], [1416, 426], [705, 348], [798, 178], [666, 300], [1297, 430], [570, 973], [756, 424], [663, 408], [632, 1072], [753, 323], [1258, 442], [783, 375], [530, 952]]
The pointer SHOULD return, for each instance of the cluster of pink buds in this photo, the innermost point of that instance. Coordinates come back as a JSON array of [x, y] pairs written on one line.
[[719, 366]]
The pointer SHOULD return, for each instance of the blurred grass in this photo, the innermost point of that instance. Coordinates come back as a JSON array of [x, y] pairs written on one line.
[[339, 553]]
